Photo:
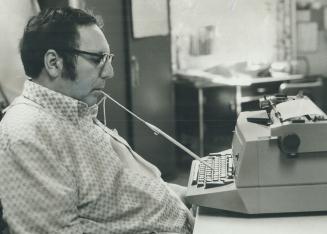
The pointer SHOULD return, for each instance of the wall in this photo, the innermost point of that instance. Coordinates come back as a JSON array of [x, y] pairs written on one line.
[[112, 13], [317, 59], [242, 30], [13, 17]]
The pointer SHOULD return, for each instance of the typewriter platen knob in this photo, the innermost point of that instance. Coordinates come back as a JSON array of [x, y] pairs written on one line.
[[290, 144]]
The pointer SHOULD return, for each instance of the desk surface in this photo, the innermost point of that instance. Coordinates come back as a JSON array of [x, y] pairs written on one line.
[[202, 79], [214, 221]]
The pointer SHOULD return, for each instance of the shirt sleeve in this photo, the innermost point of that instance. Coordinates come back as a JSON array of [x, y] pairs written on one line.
[[38, 193]]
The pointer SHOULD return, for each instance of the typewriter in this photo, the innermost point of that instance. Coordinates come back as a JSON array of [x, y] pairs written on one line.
[[277, 162], [220, 173]]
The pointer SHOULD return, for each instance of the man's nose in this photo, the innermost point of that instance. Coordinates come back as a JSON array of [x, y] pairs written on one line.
[[107, 71]]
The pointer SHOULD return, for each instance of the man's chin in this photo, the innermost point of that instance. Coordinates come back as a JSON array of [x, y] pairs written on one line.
[[96, 92], [92, 99]]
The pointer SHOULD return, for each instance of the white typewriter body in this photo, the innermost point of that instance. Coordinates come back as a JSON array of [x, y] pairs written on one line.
[[278, 167]]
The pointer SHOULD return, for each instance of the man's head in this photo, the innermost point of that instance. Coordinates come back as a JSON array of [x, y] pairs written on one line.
[[65, 50]]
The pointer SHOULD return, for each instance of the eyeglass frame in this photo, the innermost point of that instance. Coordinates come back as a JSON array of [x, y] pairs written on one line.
[[104, 57]]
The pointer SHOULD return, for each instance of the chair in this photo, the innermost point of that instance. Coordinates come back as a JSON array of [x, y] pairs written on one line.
[[3, 224]]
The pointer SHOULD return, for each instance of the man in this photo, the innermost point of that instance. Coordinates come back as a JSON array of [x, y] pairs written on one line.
[[62, 171]]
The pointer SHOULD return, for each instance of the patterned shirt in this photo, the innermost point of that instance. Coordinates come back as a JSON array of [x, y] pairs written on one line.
[[63, 171]]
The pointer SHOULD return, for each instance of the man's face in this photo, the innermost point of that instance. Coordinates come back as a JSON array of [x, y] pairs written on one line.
[[90, 76]]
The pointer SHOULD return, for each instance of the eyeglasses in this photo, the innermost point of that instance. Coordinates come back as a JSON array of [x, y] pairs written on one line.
[[99, 59]]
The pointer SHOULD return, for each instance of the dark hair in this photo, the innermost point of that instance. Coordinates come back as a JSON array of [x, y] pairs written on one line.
[[54, 28]]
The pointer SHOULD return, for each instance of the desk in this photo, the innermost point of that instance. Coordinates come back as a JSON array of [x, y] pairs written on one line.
[[201, 80], [214, 221]]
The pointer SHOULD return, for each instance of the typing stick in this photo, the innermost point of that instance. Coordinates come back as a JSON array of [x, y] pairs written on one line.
[[158, 131]]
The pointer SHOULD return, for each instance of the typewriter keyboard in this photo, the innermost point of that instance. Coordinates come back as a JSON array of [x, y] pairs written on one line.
[[221, 174]]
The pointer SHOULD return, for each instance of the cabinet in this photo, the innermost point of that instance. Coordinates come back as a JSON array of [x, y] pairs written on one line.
[[204, 124], [142, 83]]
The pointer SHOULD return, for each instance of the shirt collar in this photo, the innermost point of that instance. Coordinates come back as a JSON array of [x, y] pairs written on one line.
[[58, 103]]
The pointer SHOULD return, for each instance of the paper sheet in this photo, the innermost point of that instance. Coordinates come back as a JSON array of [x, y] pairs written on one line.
[[297, 108], [150, 18]]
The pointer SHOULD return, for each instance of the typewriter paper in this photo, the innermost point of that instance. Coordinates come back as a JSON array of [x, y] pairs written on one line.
[[297, 108]]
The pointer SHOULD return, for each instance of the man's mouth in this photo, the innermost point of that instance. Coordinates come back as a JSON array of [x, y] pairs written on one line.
[[98, 89]]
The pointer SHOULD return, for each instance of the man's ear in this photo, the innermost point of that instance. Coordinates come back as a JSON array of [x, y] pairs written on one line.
[[53, 63]]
